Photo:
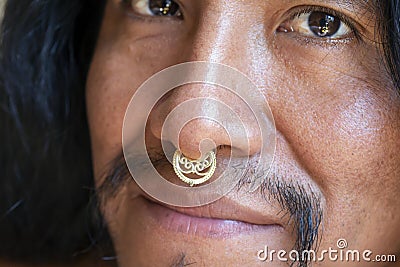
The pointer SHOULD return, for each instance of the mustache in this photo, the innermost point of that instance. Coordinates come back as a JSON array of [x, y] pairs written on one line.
[[297, 201]]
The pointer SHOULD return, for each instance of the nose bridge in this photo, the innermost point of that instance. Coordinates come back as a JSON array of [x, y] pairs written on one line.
[[220, 35]]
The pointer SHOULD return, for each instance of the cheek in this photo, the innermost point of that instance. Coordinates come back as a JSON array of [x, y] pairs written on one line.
[[344, 126], [106, 99], [339, 114], [119, 66], [358, 144]]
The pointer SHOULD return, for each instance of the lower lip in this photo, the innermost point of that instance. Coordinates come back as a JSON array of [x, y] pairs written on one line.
[[177, 222]]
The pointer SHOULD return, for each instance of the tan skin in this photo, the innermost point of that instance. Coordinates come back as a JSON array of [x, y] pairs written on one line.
[[336, 113], [86, 262]]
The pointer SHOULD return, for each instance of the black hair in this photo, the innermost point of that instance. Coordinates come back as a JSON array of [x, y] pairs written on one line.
[[47, 200], [390, 31], [46, 182]]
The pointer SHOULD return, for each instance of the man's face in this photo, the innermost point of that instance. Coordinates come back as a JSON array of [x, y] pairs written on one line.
[[337, 121]]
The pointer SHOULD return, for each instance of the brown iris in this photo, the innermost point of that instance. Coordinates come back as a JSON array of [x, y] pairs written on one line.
[[323, 24], [164, 7]]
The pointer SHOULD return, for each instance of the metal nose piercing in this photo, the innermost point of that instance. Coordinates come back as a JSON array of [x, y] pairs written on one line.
[[203, 168]]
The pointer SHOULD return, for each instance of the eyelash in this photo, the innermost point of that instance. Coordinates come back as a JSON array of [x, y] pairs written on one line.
[[301, 10]]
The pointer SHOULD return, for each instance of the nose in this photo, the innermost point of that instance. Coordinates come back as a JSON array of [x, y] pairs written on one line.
[[198, 118], [218, 116]]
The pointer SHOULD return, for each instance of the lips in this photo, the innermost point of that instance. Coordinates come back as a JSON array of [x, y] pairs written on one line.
[[227, 209], [220, 219]]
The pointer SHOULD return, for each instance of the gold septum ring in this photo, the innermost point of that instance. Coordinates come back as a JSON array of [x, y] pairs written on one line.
[[203, 168]]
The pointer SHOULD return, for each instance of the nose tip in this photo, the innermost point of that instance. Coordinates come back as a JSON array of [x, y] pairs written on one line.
[[200, 136], [199, 118]]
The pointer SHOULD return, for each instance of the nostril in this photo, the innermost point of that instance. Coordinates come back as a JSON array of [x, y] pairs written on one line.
[[206, 145], [200, 136]]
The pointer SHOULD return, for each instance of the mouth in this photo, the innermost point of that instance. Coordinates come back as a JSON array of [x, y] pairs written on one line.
[[232, 215], [221, 219]]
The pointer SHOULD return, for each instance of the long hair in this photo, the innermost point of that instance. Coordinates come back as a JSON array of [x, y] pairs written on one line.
[[390, 31], [46, 182], [47, 203]]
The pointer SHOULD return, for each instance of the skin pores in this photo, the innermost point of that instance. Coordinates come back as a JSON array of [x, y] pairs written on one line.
[[336, 112]]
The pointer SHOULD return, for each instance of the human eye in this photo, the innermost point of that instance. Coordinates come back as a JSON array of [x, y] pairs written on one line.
[[319, 22], [161, 8]]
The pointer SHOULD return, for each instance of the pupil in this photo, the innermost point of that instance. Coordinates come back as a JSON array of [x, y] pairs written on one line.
[[323, 24], [163, 7]]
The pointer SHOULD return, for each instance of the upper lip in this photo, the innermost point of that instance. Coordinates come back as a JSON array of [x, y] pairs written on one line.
[[229, 209]]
